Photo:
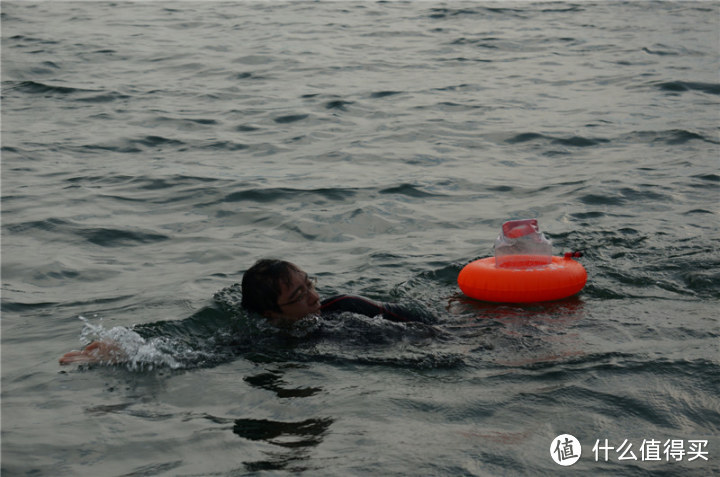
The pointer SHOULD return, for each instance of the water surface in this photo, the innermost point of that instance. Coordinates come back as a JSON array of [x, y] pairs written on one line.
[[151, 152]]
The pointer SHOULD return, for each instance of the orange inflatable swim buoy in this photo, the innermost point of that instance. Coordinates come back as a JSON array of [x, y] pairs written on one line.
[[522, 279]]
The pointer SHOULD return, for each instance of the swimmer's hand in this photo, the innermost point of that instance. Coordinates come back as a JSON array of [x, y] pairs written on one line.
[[105, 352]]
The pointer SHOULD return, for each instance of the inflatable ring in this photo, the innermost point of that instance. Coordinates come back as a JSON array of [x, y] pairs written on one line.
[[522, 280]]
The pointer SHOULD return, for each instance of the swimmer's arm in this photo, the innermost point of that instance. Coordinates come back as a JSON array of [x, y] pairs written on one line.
[[105, 352], [197, 328], [363, 306]]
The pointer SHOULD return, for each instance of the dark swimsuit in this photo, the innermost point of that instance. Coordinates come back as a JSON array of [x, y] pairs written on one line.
[[369, 308]]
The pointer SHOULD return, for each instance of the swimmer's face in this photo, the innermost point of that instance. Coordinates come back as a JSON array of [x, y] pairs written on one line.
[[297, 299]]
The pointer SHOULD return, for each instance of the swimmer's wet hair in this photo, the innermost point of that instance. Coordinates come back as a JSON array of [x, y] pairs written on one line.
[[261, 284]]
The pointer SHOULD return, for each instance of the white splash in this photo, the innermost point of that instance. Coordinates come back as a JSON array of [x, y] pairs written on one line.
[[141, 353]]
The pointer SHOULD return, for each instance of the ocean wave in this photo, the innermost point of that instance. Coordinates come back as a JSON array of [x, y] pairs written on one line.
[[619, 367], [574, 141], [442, 13], [683, 86], [384, 94], [338, 104], [671, 137], [290, 118], [102, 236], [409, 190], [136, 145], [34, 87], [115, 237], [283, 193], [629, 263], [47, 90], [106, 97]]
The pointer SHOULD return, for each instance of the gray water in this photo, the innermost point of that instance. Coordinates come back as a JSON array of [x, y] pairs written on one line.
[[151, 152]]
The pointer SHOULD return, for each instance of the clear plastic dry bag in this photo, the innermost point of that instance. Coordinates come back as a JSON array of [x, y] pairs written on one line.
[[521, 245]]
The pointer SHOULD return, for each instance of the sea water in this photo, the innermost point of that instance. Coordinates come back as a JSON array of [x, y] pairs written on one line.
[[152, 151]]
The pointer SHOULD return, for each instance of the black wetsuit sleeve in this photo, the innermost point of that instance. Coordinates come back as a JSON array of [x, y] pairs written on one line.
[[200, 326], [370, 308]]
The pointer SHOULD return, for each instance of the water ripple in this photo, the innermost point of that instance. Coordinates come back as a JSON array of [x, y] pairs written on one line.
[[682, 86]]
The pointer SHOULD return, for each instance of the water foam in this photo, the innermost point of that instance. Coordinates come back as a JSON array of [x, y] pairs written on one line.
[[141, 353]]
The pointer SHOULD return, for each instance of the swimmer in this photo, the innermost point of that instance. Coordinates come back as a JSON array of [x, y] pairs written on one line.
[[283, 294]]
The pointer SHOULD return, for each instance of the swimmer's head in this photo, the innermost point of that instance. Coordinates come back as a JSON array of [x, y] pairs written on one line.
[[279, 290]]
